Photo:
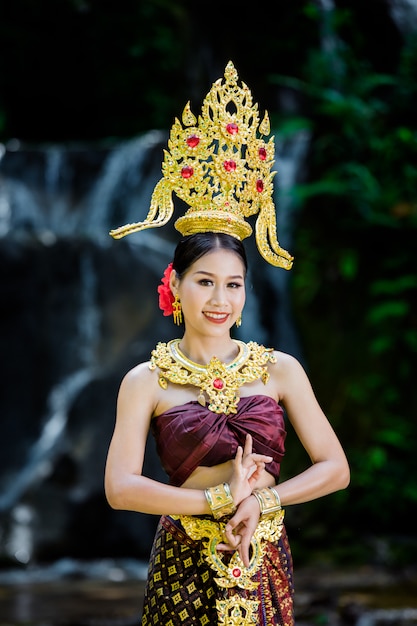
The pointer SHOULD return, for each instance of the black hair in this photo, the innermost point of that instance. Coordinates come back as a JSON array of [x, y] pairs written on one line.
[[193, 247]]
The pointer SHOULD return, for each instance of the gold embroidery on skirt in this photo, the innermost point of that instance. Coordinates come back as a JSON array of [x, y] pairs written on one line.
[[231, 614], [235, 610]]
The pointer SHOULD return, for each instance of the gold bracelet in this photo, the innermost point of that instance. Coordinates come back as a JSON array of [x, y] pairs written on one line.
[[220, 500], [268, 499]]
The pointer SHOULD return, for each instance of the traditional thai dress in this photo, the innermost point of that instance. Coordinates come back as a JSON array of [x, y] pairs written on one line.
[[189, 581]]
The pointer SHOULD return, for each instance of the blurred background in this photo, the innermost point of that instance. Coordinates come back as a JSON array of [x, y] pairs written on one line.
[[88, 93]]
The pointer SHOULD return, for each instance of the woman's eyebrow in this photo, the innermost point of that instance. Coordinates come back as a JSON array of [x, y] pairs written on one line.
[[211, 274]]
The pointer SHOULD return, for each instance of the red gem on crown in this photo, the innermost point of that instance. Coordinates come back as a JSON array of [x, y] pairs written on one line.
[[187, 171], [218, 383], [259, 185], [193, 141], [262, 153], [229, 166], [232, 128], [236, 572]]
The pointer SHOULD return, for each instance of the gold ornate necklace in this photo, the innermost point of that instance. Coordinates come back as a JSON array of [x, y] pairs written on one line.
[[220, 381]]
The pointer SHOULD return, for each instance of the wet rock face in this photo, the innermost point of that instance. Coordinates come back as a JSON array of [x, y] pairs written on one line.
[[73, 321], [77, 311]]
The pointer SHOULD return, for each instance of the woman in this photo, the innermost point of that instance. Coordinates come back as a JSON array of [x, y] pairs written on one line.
[[215, 407]]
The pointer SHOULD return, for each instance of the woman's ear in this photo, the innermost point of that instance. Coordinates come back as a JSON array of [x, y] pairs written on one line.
[[174, 282]]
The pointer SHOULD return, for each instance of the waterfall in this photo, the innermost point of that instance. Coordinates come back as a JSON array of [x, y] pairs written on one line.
[[127, 168], [290, 165], [19, 543], [404, 14], [37, 464], [42, 453]]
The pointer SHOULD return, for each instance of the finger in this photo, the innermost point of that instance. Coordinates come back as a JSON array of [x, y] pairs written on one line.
[[233, 524], [248, 445], [239, 454], [261, 458], [254, 477], [232, 532], [254, 469], [244, 554], [225, 547], [232, 539], [245, 545], [256, 459]]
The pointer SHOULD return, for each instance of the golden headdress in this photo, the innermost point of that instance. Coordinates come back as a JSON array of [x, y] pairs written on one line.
[[221, 168]]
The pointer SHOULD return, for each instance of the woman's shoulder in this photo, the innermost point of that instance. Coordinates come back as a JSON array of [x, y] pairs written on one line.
[[288, 376], [139, 390], [286, 364], [285, 359], [139, 377]]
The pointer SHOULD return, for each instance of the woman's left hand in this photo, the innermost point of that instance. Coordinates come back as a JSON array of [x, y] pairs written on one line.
[[240, 528]]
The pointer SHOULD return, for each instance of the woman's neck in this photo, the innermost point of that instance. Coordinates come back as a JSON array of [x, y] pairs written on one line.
[[202, 349]]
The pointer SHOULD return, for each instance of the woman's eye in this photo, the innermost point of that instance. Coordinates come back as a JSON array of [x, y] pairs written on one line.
[[208, 283]]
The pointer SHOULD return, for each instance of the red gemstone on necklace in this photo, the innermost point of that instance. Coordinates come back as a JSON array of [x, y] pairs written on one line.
[[236, 572], [218, 383], [232, 128], [229, 166], [187, 171], [262, 153], [259, 185], [193, 141]]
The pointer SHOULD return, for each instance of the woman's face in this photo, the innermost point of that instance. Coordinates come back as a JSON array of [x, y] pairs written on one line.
[[212, 292]]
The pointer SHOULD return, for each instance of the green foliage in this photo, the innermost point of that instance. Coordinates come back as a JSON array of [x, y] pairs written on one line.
[[355, 275], [90, 69]]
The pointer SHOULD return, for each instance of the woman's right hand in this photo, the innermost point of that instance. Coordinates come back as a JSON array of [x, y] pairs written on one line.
[[247, 467]]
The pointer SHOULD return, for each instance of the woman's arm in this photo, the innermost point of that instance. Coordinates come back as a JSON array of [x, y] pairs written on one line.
[[125, 486], [329, 470]]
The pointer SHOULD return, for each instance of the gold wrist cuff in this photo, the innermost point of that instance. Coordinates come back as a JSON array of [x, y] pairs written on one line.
[[268, 499], [220, 500]]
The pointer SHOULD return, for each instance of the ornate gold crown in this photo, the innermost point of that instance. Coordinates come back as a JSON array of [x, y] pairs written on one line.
[[221, 169]]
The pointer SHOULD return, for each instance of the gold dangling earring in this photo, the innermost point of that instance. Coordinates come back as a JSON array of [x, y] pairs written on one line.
[[176, 311], [239, 321]]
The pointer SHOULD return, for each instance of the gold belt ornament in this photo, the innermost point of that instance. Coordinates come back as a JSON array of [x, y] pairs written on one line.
[[234, 610]]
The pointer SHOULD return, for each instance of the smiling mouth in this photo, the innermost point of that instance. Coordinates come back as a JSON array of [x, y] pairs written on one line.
[[216, 317]]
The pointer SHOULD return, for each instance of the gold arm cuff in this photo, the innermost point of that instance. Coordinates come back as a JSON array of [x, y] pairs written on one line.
[[268, 499], [220, 500]]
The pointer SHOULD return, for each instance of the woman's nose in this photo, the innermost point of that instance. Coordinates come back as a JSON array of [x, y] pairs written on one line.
[[218, 296]]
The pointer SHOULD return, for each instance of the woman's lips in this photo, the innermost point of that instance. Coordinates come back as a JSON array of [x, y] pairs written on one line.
[[216, 318]]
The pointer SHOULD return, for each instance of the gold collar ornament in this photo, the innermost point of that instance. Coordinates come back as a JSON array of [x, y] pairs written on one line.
[[220, 381], [220, 166]]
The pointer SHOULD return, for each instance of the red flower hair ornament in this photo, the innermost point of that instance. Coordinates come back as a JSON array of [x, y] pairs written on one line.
[[166, 297]]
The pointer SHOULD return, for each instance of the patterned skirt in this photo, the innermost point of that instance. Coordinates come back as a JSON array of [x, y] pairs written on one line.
[[190, 582]]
